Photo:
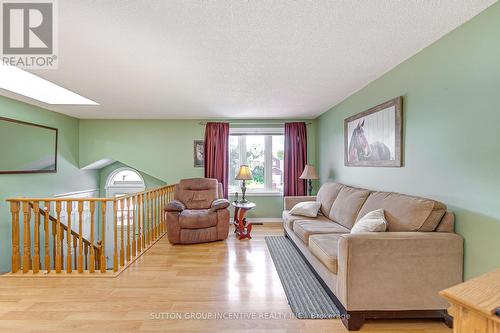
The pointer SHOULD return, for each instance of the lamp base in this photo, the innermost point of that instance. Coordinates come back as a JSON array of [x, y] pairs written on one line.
[[243, 191]]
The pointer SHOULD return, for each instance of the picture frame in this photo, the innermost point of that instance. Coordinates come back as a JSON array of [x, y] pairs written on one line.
[[39, 164], [199, 153], [373, 138]]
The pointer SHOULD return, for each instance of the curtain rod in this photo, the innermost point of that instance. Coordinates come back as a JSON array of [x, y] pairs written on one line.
[[241, 123]]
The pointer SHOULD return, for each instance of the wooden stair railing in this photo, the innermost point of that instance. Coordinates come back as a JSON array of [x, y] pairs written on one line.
[[76, 238], [137, 222]]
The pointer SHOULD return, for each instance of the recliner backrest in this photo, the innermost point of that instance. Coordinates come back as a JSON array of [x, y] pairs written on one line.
[[197, 193]]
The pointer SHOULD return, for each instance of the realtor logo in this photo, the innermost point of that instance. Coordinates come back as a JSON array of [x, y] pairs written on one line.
[[28, 33]]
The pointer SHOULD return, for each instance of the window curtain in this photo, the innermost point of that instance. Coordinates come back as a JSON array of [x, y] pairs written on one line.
[[217, 154], [295, 158]]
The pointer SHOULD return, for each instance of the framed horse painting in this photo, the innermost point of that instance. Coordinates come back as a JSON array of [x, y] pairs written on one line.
[[373, 138]]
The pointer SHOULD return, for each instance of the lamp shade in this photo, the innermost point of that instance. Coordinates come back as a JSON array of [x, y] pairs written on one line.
[[244, 173], [309, 172]]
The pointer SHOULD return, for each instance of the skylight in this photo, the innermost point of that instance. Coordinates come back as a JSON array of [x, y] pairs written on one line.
[[24, 83]]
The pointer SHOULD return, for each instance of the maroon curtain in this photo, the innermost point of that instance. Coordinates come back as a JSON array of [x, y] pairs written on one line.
[[217, 154], [295, 158]]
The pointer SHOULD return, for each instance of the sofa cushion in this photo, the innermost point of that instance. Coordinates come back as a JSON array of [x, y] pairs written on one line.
[[197, 219], [326, 195], [304, 229], [289, 219], [347, 205], [306, 208], [325, 249], [405, 212], [372, 222]]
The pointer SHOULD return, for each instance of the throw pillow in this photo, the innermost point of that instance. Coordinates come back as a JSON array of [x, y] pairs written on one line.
[[374, 221], [306, 208]]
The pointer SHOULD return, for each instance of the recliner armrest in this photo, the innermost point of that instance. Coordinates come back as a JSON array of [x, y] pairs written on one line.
[[175, 206], [219, 204]]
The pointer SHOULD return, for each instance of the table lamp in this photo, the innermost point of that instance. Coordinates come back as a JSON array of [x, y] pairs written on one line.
[[309, 174], [244, 174]]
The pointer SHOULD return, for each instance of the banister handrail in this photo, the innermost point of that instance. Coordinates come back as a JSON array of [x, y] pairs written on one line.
[[64, 199], [60, 199], [138, 217]]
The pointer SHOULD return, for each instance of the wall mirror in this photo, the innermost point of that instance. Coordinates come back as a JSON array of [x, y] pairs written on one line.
[[27, 147]]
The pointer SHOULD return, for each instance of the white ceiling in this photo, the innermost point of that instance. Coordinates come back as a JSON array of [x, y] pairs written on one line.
[[237, 59]]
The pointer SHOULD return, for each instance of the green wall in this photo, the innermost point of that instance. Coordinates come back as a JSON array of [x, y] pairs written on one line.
[[69, 177], [163, 149], [451, 140]]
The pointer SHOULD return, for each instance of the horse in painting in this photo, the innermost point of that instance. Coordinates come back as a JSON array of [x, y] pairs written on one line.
[[361, 150]]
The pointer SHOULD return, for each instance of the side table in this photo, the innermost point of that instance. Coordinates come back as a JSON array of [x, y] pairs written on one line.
[[242, 228]]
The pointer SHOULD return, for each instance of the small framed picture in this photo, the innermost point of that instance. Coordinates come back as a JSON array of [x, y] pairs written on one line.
[[199, 153]]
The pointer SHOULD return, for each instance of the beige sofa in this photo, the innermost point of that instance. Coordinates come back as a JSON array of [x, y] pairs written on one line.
[[393, 274]]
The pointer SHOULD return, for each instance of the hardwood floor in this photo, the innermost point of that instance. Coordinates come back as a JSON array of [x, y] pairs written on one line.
[[168, 282]]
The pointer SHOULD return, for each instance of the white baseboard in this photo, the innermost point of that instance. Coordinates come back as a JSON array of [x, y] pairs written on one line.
[[265, 220]]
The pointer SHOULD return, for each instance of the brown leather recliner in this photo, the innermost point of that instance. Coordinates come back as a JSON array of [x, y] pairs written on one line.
[[198, 212]]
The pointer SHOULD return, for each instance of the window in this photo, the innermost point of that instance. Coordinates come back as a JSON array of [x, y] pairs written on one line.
[[262, 149], [125, 177], [122, 182]]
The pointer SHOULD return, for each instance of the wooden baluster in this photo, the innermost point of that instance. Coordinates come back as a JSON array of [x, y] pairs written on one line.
[[146, 219], [160, 215], [133, 202], [115, 235], [58, 238], [54, 244], [75, 253], [29, 237], [167, 200], [122, 245], [26, 238], [80, 237], [14, 211], [86, 253], [46, 259], [139, 223], [157, 208], [103, 242], [36, 238], [163, 210], [154, 215], [61, 248], [157, 215], [98, 255], [92, 254], [150, 214], [69, 209], [127, 202]]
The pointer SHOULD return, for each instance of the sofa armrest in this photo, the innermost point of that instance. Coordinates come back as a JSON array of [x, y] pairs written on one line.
[[397, 270], [175, 206], [219, 204], [289, 202]]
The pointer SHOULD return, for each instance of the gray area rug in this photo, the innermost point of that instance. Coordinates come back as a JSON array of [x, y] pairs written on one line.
[[306, 296]]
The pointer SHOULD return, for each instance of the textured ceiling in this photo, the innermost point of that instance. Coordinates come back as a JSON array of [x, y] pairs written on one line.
[[237, 59]]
